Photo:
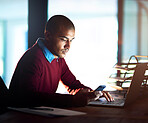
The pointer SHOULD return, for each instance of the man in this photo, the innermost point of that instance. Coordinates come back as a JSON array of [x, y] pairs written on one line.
[[40, 69]]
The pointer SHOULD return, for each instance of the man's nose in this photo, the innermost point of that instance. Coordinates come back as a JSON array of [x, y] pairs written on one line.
[[67, 45]]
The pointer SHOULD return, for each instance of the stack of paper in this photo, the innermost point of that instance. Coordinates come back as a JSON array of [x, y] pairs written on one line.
[[48, 111]]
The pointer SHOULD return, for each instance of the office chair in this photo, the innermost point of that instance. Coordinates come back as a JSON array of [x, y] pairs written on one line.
[[3, 96]]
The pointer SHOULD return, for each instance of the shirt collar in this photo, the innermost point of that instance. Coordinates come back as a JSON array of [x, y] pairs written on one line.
[[49, 56]]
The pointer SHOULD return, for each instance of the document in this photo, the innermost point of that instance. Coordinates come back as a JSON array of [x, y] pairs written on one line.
[[48, 111]]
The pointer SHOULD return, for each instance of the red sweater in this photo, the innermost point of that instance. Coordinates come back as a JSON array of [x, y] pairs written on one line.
[[35, 75]]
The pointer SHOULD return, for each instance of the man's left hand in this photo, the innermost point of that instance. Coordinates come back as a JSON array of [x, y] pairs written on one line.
[[108, 96]]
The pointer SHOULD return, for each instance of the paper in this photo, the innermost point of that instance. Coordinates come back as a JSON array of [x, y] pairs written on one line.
[[48, 111]]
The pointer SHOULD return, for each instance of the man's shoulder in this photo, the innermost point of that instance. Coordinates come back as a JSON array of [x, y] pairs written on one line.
[[33, 54], [34, 51]]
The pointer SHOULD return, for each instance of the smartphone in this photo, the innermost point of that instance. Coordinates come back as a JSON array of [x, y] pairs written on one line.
[[100, 88]]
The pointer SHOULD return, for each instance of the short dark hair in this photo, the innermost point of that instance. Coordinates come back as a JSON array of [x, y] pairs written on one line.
[[56, 21]]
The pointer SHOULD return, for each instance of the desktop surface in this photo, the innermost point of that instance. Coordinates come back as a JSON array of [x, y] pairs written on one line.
[[137, 112]]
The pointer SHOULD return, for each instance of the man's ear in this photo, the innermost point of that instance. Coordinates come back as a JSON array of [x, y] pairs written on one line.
[[47, 35]]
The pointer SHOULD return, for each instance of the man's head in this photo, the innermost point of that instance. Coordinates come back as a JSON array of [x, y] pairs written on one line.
[[59, 32]]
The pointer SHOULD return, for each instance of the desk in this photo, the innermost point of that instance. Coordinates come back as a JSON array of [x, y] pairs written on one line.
[[136, 113]]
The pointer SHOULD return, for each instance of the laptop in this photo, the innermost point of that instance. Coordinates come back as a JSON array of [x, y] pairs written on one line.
[[125, 98]]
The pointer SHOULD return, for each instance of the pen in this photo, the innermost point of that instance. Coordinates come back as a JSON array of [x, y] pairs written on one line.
[[38, 108]]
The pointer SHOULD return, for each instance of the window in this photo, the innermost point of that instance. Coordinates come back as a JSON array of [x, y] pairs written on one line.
[[1, 49], [13, 35], [94, 49], [135, 29]]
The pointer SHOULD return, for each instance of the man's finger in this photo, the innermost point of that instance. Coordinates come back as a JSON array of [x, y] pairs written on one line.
[[108, 96], [105, 95]]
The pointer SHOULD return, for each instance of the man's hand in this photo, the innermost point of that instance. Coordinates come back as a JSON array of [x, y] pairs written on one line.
[[105, 94], [83, 96], [108, 96]]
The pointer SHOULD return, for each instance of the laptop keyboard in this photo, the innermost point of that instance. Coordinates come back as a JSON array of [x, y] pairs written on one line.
[[117, 101]]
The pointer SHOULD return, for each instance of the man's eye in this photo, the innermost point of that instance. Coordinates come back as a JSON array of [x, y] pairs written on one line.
[[63, 39]]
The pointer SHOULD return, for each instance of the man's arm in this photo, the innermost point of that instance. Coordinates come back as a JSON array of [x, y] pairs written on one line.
[[44, 99], [74, 85]]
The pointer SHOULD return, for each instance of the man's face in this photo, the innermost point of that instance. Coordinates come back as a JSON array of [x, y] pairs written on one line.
[[61, 41]]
